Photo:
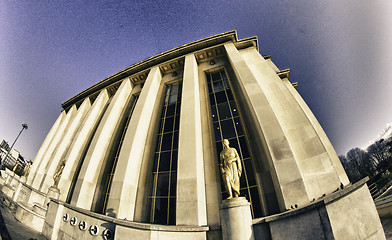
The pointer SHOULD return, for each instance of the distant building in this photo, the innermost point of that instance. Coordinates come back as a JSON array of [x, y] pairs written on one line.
[[138, 155], [13, 158]]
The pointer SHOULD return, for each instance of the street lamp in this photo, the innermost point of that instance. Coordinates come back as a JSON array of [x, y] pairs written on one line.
[[24, 126]]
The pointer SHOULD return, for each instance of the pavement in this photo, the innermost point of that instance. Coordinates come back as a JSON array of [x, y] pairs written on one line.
[[12, 229]]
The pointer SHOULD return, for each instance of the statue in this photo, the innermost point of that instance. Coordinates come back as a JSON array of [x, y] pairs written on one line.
[[26, 169], [58, 173], [231, 169], [16, 166]]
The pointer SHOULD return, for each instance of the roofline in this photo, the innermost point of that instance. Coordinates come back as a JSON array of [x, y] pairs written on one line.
[[158, 59]]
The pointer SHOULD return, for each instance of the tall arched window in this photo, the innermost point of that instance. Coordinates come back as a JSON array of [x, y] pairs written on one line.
[[163, 194], [227, 124]]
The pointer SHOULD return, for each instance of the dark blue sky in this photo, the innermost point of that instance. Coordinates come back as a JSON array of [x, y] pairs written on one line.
[[339, 52]]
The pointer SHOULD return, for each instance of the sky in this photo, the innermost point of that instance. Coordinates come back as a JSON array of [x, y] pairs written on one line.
[[339, 52]]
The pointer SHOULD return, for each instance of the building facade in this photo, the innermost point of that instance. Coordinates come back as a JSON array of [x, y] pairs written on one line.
[[138, 152]]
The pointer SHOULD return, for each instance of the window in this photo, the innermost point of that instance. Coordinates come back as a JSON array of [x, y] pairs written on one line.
[[227, 124], [163, 195]]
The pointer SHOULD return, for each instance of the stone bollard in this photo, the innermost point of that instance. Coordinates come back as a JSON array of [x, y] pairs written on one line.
[[236, 219]]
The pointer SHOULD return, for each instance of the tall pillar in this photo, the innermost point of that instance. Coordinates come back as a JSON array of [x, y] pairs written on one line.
[[44, 147], [191, 199], [320, 132], [53, 146], [88, 177], [315, 162], [58, 156], [122, 199], [288, 180], [82, 137]]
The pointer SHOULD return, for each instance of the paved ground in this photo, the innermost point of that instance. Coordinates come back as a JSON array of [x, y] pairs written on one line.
[[12, 229]]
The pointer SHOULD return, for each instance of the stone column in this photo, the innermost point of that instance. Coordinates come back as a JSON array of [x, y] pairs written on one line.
[[320, 132], [89, 173], [288, 180], [191, 200], [236, 219], [44, 147], [58, 156], [122, 199], [80, 142], [53, 146], [311, 153]]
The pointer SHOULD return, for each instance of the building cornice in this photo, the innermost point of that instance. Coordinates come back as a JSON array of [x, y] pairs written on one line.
[[145, 65]]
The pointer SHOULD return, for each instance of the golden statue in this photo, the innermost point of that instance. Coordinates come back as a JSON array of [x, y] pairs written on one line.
[[26, 169], [231, 169], [16, 166], [58, 173]]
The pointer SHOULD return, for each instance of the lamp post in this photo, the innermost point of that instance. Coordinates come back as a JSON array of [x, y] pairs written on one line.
[[24, 126]]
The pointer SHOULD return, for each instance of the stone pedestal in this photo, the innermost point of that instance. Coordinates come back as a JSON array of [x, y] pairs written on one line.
[[53, 192], [236, 219]]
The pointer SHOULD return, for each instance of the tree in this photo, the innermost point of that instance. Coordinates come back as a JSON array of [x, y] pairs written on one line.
[[380, 154], [350, 168], [365, 165]]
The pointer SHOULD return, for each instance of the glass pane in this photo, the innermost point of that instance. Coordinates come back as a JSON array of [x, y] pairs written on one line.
[[174, 89], [172, 211], [238, 126], [209, 85], [177, 123], [220, 97], [172, 99], [256, 203], [166, 141], [243, 183], [223, 74], [227, 129], [244, 193], [169, 124], [213, 114], [173, 184], [218, 86], [170, 110], [224, 111], [163, 184], [234, 109], [212, 100], [217, 131], [229, 95], [174, 160], [178, 108], [219, 148], [164, 163], [161, 211], [175, 140], [244, 147], [208, 77], [215, 76], [249, 170]]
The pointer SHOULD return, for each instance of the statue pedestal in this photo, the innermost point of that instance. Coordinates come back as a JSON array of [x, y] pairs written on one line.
[[236, 219], [53, 192]]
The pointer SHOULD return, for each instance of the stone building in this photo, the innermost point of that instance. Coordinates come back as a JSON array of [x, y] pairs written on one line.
[[137, 154]]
